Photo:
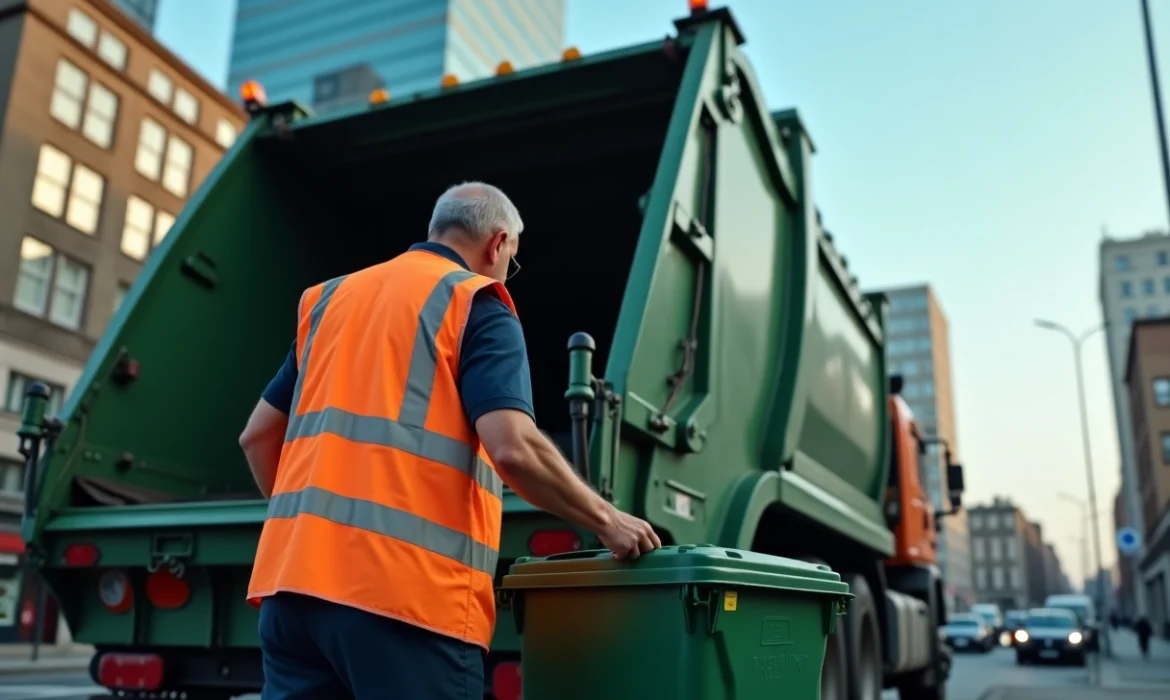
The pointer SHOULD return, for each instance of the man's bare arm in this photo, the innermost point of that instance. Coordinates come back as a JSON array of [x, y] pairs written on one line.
[[262, 440], [531, 464]]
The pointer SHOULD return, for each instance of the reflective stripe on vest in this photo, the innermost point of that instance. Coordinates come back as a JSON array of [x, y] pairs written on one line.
[[411, 498]]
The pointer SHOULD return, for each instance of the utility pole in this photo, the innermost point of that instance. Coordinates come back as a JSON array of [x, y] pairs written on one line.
[[1077, 342], [1156, 91]]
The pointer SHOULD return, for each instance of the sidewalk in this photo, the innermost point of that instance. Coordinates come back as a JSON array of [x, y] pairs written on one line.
[[17, 658], [1128, 670]]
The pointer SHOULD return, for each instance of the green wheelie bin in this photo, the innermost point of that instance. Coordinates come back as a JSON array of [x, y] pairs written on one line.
[[689, 622]]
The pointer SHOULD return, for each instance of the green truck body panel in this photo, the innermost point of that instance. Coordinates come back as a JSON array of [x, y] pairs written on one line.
[[683, 622], [659, 195]]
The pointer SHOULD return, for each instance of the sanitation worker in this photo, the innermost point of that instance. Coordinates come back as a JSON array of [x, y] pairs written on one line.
[[381, 444]]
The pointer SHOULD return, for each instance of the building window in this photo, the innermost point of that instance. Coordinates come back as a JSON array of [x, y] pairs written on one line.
[[1009, 521], [1152, 311], [1121, 262], [51, 285], [101, 107], [1166, 447], [997, 577], [1017, 577], [151, 141], [978, 549], [120, 295], [100, 115], [144, 229], [1130, 314], [112, 50], [975, 521], [160, 86], [11, 477], [1126, 288], [85, 199], [18, 384], [1148, 286], [225, 135], [186, 106], [1162, 391], [1009, 545], [177, 175], [77, 197], [81, 26], [1163, 258], [68, 94], [996, 549]]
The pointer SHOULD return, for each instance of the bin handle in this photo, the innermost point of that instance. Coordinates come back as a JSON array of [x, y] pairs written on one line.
[[582, 554]]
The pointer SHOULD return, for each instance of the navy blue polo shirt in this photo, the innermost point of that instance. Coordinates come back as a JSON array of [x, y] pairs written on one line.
[[493, 362]]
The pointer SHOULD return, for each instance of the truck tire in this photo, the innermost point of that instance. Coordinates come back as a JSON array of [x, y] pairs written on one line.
[[835, 670], [863, 642]]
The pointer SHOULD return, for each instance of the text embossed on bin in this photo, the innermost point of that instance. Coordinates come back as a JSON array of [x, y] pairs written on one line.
[[781, 666]]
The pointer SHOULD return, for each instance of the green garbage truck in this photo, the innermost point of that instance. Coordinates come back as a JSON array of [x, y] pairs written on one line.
[[730, 385]]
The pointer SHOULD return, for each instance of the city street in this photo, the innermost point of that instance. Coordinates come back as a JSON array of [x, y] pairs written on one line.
[[993, 676]]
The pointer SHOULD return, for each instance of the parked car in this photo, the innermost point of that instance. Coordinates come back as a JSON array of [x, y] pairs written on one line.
[[1051, 634], [968, 632], [1013, 620]]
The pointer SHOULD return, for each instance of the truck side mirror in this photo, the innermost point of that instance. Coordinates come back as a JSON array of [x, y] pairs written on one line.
[[955, 484]]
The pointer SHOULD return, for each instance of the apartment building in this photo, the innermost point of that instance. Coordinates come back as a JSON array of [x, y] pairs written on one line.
[[103, 136], [1134, 282], [328, 53], [1010, 558], [1147, 381], [918, 349]]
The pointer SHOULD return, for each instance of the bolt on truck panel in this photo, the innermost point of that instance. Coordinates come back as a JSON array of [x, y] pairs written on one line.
[[740, 393]]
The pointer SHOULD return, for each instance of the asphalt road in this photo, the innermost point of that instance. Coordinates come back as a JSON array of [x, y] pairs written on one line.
[[972, 676]]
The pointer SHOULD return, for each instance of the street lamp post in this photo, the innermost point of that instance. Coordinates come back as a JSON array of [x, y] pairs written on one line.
[[1084, 538], [1077, 342], [1159, 120]]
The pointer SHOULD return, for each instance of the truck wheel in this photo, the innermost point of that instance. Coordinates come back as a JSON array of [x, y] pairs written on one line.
[[834, 678], [834, 671], [863, 649], [914, 691]]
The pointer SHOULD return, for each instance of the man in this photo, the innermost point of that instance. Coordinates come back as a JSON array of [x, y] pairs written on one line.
[[381, 443]]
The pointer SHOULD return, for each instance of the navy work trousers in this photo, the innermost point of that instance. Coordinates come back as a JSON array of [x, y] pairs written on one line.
[[317, 650]]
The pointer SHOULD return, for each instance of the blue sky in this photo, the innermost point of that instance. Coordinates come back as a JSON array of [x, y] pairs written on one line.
[[978, 146]]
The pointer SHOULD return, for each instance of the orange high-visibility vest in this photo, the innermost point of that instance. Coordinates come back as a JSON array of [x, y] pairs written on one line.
[[384, 499]]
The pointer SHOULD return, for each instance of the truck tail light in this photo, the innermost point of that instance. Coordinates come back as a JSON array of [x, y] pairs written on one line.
[[115, 591], [166, 591], [130, 671], [82, 555], [506, 681], [544, 543]]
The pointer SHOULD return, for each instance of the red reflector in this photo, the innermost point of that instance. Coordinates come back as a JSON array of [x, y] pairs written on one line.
[[130, 671], [506, 681], [548, 542], [167, 591], [81, 555]]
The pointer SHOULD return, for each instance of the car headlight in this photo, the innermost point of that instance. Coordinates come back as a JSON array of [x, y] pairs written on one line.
[[1075, 638], [1021, 636]]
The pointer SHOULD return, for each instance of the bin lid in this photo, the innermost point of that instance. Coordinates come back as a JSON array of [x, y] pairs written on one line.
[[674, 565]]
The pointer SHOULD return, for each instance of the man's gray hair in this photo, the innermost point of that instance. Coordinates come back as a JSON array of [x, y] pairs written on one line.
[[477, 209]]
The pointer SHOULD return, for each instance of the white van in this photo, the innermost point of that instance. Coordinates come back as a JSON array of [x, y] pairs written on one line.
[[1079, 603]]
